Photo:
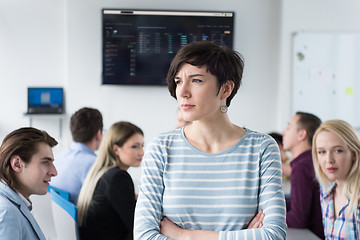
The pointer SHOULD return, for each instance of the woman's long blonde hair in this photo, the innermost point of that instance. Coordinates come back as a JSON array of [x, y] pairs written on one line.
[[348, 134], [118, 134]]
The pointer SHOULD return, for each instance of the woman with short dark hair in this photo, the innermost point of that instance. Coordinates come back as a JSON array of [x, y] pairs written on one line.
[[209, 179]]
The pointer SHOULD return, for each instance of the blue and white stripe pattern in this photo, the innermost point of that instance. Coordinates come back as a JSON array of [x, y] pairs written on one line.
[[217, 192]]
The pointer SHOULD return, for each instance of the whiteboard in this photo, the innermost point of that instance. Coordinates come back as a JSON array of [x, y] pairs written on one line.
[[326, 75]]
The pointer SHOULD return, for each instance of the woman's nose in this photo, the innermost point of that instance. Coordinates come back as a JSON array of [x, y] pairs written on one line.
[[183, 90], [329, 158]]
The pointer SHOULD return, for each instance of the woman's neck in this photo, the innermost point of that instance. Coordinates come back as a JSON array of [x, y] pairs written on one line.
[[212, 138], [340, 199], [339, 187]]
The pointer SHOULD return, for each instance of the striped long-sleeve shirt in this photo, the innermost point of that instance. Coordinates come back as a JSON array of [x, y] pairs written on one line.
[[211, 191]]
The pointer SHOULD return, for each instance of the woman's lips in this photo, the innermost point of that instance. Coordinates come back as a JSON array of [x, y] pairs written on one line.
[[331, 170], [187, 106]]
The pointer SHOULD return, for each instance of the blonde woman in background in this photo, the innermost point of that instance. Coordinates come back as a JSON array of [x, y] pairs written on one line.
[[107, 199], [336, 158]]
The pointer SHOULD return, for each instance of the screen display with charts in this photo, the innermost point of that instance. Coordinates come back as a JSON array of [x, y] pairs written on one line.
[[138, 45]]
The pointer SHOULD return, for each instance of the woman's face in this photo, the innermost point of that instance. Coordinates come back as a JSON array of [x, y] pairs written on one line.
[[131, 152], [34, 177], [196, 93], [334, 155]]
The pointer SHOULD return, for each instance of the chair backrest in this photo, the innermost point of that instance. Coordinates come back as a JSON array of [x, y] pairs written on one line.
[[65, 217], [61, 192], [42, 212]]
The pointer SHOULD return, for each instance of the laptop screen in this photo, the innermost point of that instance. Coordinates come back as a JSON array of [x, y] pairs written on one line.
[[45, 100]]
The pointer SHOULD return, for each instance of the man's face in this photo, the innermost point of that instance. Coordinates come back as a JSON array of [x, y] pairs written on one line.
[[35, 176], [291, 133]]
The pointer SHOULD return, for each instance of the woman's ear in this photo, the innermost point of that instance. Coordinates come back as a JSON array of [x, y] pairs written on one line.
[[227, 89], [16, 164], [116, 149]]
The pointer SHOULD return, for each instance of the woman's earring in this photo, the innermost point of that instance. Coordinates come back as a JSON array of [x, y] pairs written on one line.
[[224, 109]]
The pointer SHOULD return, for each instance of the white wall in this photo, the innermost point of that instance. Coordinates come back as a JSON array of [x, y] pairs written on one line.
[[32, 47], [309, 15]]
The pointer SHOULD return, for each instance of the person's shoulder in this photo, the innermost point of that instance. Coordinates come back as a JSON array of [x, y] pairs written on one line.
[[82, 148], [171, 135], [9, 212], [259, 137], [302, 167], [4, 200], [116, 173], [304, 159], [9, 203], [73, 152], [117, 177], [7, 194]]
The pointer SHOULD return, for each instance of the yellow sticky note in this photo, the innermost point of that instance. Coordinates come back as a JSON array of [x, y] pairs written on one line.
[[349, 91]]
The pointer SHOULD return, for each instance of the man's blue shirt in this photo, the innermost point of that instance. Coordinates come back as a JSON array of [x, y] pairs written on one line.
[[73, 166]]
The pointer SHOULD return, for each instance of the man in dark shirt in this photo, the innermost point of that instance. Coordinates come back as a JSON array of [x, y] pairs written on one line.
[[303, 207]]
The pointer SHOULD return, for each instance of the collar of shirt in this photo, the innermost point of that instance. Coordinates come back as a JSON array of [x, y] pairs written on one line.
[[78, 146], [27, 202], [328, 191], [300, 157]]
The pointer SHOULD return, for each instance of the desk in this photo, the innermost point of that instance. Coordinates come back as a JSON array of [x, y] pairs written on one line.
[[300, 234]]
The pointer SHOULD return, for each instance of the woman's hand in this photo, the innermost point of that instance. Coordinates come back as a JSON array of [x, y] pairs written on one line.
[[170, 229], [173, 231], [256, 222]]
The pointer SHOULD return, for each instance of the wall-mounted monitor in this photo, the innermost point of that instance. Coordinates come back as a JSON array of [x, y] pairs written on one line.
[[138, 45]]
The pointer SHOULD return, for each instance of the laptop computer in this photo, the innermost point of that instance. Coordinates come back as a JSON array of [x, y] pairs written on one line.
[[45, 100]]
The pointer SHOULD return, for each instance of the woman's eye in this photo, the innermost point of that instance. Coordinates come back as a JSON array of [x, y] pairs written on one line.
[[339, 151], [197, 80], [321, 152], [177, 81]]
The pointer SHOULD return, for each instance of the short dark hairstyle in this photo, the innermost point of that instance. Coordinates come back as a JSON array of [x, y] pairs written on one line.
[[222, 62], [22, 142], [277, 137], [310, 123], [85, 123]]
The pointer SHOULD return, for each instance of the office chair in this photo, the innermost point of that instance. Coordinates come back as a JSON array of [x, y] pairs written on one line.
[[65, 217], [61, 192]]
